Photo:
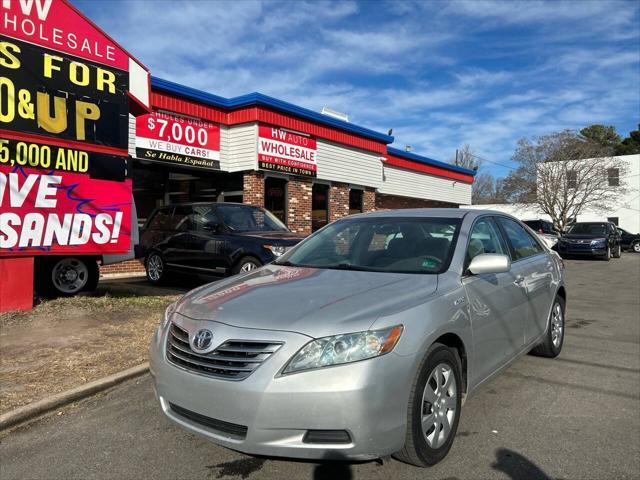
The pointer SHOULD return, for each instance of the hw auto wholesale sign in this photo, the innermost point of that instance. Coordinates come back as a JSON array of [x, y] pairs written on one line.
[[65, 93], [283, 151], [176, 139]]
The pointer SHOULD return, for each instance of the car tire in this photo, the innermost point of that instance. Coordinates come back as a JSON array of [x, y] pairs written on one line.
[[617, 253], [427, 447], [66, 276], [635, 247], [607, 256], [554, 338], [155, 268], [246, 264]]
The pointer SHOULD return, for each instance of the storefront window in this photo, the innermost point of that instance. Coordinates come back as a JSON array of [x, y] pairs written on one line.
[[156, 185], [319, 206], [355, 201], [275, 197]]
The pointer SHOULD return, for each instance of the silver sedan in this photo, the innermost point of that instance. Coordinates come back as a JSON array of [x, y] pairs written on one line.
[[362, 341]]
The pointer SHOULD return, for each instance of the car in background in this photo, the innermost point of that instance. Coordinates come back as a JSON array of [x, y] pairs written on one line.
[[363, 340], [211, 239], [593, 239], [545, 230], [629, 241]]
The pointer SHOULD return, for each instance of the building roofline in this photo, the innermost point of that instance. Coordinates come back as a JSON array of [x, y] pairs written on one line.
[[256, 98], [429, 161]]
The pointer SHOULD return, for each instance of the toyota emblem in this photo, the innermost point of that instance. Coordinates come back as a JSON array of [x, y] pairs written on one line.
[[202, 339]]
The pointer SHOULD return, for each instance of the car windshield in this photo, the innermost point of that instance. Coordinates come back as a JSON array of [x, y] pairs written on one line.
[[588, 229], [402, 245], [246, 218]]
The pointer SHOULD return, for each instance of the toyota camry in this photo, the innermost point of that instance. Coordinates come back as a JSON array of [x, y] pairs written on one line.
[[362, 341]]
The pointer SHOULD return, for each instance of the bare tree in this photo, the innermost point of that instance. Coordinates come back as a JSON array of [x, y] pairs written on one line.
[[571, 174], [466, 158], [485, 189]]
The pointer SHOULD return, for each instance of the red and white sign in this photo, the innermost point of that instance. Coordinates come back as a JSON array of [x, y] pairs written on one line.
[[287, 152], [60, 212], [171, 138], [57, 25]]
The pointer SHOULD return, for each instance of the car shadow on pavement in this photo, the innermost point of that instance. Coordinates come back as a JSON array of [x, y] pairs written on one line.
[[517, 466], [333, 471]]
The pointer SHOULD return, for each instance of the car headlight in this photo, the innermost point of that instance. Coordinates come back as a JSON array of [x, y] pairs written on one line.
[[277, 250], [167, 313], [598, 241], [347, 348]]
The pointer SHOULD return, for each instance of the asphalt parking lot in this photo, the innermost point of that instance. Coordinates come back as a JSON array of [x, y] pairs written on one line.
[[575, 417]]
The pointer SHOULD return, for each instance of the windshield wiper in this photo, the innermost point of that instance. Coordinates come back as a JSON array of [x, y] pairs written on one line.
[[348, 266]]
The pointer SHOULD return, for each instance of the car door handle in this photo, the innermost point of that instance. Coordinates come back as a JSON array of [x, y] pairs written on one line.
[[519, 281]]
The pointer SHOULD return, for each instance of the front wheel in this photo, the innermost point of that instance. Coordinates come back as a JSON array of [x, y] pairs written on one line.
[[155, 268], [246, 264], [434, 408], [553, 340], [617, 252]]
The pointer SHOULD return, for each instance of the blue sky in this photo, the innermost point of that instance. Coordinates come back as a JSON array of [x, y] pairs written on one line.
[[441, 74]]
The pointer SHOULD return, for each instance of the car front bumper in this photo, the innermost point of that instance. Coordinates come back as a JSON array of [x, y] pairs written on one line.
[[582, 249], [367, 399]]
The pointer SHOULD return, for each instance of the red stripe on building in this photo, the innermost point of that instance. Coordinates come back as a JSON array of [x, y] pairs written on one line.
[[428, 169], [163, 101]]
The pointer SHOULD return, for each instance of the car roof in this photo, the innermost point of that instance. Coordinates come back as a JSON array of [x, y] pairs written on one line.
[[192, 204], [430, 212]]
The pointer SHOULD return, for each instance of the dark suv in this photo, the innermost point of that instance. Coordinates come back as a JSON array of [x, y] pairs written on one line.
[[596, 239], [629, 241], [211, 239]]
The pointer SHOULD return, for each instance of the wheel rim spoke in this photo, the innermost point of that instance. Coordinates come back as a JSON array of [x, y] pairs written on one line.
[[439, 405]]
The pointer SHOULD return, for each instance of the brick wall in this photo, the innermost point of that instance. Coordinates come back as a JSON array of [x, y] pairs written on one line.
[[393, 202], [338, 201], [253, 185], [130, 266], [369, 200], [299, 205]]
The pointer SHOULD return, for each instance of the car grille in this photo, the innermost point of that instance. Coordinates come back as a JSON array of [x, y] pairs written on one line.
[[233, 360], [229, 429]]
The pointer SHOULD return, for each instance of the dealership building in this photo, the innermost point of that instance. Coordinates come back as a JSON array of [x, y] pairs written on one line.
[[308, 168]]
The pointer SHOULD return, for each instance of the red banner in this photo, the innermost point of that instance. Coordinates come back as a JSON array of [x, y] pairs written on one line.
[[287, 152], [60, 212]]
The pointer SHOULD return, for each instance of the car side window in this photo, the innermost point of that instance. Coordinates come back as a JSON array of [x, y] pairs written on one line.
[[485, 238], [203, 218], [181, 219], [160, 220], [522, 244]]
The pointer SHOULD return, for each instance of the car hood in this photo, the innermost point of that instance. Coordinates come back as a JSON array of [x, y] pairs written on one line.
[[314, 302], [583, 236]]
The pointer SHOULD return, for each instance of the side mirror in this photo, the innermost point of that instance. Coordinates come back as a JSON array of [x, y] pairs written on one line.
[[490, 263]]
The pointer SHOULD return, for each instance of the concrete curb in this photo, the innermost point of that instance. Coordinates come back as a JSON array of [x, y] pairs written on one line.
[[35, 409]]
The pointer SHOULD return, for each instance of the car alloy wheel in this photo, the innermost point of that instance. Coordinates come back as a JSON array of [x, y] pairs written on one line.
[[636, 247], [155, 267], [557, 325], [439, 402], [69, 275], [248, 266]]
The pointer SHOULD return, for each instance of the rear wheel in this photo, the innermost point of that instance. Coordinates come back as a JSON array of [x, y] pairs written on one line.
[[434, 408], [66, 276], [636, 247], [552, 344]]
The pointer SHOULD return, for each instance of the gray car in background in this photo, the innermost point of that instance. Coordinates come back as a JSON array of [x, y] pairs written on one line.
[[362, 341]]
